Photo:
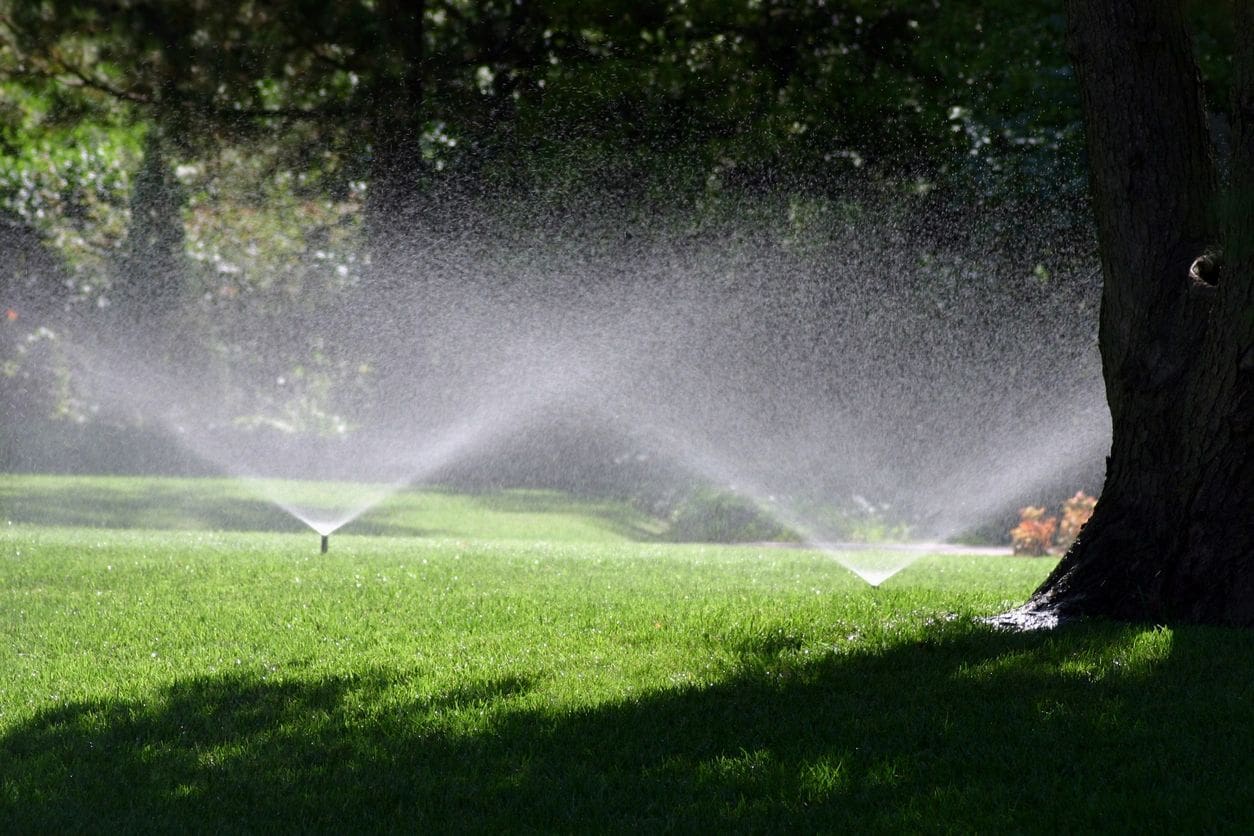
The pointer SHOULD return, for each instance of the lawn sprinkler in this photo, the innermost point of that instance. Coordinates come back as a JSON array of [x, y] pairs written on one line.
[[326, 538]]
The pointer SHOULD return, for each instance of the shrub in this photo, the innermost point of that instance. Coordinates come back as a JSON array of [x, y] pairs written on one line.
[[1075, 513], [1035, 532], [713, 516]]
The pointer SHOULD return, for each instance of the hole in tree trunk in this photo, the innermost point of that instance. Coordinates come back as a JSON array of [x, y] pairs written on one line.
[[1204, 271]]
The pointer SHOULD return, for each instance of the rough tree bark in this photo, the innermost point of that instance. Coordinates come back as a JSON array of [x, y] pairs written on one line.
[[1172, 537]]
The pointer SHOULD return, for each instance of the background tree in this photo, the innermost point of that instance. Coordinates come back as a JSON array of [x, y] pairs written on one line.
[[1171, 537], [151, 285], [297, 135], [396, 121], [31, 282]]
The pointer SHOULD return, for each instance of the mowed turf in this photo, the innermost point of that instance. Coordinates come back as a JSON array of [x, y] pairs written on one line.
[[244, 505], [239, 681]]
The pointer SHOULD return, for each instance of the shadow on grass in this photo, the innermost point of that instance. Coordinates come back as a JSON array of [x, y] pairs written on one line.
[[167, 505], [616, 516], [188, 504], [968, 730], [158, 504]]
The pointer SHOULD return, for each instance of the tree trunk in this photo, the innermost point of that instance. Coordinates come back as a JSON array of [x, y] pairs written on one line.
[[148, 288], [394, 208], [396, 164], [1172, 537]]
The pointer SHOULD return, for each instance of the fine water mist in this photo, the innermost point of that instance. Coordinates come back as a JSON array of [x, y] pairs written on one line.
[[857, 375]]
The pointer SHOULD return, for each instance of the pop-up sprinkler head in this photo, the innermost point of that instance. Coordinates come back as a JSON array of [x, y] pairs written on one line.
[[325, 543]]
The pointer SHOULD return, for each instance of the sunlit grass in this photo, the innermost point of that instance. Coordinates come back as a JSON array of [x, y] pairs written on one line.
[[241, 681]]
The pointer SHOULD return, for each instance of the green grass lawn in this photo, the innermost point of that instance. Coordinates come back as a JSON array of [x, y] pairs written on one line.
[[545, 668], [241, 505]]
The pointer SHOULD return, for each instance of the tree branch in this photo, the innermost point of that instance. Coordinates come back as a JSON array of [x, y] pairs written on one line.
[[94, 83], [71, 76], [72, 79]]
